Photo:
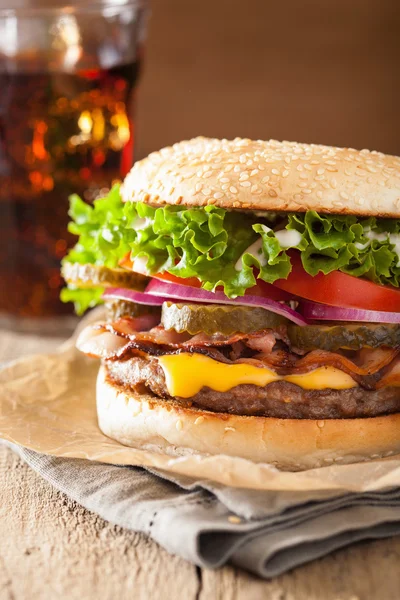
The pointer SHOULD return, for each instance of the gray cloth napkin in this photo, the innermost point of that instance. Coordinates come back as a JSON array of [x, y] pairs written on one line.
[[210, 524]]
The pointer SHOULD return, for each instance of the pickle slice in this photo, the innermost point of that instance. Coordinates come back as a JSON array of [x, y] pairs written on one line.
[[116, 309], [87, 276], [352, 336], [211, 318]]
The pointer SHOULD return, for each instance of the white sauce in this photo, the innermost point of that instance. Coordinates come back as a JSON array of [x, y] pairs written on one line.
[[255, 250], [392, 238], [141, 223], [288, 238], [381, 237], [362, 246], [140, 264]]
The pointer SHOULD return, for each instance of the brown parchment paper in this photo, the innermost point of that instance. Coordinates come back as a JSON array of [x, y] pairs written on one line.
[[47, 404]]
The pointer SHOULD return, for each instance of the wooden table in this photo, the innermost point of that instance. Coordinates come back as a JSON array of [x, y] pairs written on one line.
[[53, 548]]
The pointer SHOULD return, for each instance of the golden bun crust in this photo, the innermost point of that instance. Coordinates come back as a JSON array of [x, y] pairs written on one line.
[[143, 421], [268, 175]]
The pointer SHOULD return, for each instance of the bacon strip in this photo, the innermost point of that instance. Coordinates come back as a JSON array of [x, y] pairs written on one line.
[[370, 368], [391, 377]]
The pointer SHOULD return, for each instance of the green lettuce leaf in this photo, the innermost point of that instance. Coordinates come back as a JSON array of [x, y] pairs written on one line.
[[83, 299], [223, 248]]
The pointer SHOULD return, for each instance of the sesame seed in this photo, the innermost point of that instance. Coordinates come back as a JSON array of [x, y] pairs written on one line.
[[245, 183], [303, 176], [199, 420], [272, 193], [224, 180], [344, 196], [207, 174], [285, 173], [237, 168], [179, 425], [308, 167], [225, 187], [307, 191], [275, 172], [233, 189], [319, 194], [230, 429], [243, 176], [320, 171], [234, 519], [198, 187], [330, 162], [218, 195], [319, 177], [302, 184], [321, 424], [265, 179], [299, 167], [254, 172], [333, 183], [206, 192]]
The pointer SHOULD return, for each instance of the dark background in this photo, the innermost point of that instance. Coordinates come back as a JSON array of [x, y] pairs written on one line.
[[310, 71]]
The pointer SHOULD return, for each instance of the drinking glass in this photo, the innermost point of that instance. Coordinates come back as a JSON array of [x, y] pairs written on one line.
[[68, 77]]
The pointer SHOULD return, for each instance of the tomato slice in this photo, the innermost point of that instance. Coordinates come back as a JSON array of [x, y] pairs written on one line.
[[267, 290], [261, 289], [190, 281], [339, 289]]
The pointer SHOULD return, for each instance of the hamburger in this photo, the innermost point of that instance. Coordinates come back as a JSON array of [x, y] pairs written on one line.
[[253, 309]]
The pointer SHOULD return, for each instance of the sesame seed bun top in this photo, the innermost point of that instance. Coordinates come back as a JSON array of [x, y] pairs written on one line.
[[268, 175]]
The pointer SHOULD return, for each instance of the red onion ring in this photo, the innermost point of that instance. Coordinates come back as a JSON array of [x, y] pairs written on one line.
[[133, 296], [325, 312], [176, 291]]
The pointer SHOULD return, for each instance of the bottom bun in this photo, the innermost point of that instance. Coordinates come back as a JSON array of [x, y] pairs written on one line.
[[147, 422]]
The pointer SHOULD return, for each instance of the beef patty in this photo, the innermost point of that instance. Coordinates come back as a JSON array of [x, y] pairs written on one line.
[[279, 399]]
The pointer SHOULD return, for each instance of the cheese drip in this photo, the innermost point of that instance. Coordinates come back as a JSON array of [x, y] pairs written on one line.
[[186, 374]]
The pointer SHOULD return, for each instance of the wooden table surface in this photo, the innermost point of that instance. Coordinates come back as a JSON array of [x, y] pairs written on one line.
[[53, 548]]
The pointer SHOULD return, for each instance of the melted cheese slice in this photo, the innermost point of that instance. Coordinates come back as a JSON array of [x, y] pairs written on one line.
[[186, 374]]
